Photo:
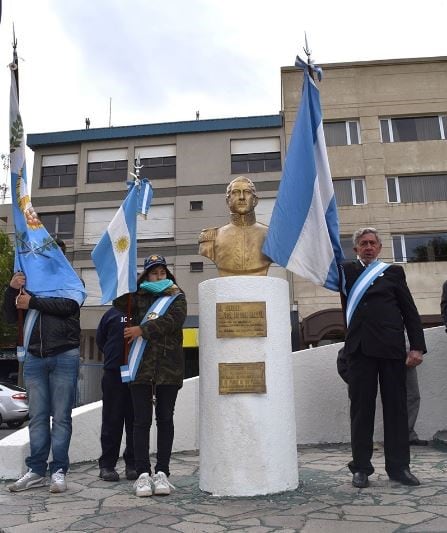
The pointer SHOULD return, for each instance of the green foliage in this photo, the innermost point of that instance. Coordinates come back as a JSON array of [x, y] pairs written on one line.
[[16, 137], [8, 333]]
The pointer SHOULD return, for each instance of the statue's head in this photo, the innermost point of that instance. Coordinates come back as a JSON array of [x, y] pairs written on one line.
[[241, 196]]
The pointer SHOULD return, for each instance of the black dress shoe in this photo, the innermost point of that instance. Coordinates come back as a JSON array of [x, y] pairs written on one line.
[[360, 480], [405, 477], [418, 442], [108, 474], [131, 473]]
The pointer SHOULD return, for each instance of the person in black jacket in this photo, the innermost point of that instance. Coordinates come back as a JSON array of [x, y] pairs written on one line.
[[117, 410], [50, 372], [375, 351], [444, 304]]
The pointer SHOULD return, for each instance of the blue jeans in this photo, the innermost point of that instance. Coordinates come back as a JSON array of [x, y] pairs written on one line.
[[51, 386]]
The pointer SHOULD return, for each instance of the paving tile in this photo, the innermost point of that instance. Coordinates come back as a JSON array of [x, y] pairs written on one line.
[[162, 520], [437, 525], [377, 510], [195, 527], [412, 518], [329, 526]]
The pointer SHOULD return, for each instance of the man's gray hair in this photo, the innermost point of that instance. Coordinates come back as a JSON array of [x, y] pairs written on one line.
[[363, 231], [242, 178]]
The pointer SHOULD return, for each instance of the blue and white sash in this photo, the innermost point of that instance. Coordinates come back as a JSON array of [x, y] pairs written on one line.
[[30, 320], [362, 283], [158, 308]]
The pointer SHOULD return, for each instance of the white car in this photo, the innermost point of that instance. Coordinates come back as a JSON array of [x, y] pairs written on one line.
[[13, 405]]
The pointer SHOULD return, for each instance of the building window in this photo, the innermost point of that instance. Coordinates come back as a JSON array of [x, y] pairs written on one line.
[[406, 129], [106, 166], [255, 155], [264, 210], [158, 225], [420, 248], [347, 247], [411, 189], [59, 171], [157, 161], [92, 287], [341, 133], [59, 225], [350, 191], [196, 266], [196, 205]]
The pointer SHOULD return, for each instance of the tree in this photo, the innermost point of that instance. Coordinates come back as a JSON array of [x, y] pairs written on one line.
[[8, 333]]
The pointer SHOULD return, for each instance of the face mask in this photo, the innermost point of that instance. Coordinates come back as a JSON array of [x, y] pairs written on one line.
[[156, 287]]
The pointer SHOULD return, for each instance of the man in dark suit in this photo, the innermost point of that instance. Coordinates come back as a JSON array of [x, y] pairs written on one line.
[[379, 309]]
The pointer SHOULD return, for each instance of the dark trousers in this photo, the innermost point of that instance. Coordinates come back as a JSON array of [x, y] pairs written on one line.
[[364, 372], [413, 401], [117, 412], [166, 396]]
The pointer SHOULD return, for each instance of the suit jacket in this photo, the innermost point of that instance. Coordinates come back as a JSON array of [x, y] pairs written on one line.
[[444, 304], [382, 315]]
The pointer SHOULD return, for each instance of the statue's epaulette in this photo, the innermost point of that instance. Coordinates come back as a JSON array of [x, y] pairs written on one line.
[[208, 234]]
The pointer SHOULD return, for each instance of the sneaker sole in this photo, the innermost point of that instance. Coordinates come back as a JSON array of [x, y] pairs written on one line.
[[143, 494], [31, 485], [162, 492], [56, 490]]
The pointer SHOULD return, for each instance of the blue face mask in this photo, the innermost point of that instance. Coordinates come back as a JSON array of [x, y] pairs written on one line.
[[156, 287]]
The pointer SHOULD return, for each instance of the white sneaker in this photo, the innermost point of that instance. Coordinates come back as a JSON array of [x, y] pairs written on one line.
[[143, 485], [58, 483], [29, 480], [161, 484]]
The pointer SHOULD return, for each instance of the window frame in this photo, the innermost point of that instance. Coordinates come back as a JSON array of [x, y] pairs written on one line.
[[347, 124], [389, 121], [354, 199], [401, 237], [56, 233]]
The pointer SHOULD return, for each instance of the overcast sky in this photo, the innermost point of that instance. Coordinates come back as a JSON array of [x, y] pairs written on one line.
[[161, 60]]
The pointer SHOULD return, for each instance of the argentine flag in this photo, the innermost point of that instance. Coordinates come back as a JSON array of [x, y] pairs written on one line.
[[115, 255], [48, 272], [303, 235]]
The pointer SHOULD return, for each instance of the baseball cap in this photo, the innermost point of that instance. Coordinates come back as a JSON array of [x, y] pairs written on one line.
[[154, 260]]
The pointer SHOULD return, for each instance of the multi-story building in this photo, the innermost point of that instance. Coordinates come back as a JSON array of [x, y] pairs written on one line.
[[386, 132]]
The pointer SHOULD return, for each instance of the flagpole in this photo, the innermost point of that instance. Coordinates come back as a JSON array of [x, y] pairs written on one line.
[[308, 53], [137, 168], [14, 66]]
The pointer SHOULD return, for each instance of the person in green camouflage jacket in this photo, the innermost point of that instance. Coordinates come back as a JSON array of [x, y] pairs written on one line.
[[160, 373]]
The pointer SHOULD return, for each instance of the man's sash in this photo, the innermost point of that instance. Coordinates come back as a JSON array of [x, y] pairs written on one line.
[[30, 320], [157, 309], [362, 283]]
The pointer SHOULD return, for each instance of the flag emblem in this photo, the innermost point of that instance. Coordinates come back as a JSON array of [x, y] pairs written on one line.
[[122, 244]]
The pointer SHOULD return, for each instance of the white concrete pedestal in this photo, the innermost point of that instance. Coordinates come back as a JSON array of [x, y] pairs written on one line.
[[248, 440]]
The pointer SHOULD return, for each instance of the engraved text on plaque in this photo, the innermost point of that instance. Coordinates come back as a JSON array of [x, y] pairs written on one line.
[[241, 319], [242, 377]]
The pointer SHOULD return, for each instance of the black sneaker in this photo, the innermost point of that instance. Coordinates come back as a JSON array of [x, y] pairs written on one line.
[[131, 473], [108, 474]]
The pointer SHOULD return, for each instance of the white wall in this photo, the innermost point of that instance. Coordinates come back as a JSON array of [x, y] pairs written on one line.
[[321, 403]]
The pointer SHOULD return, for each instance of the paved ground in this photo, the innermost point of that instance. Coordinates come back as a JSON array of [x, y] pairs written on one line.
[[325, 501]]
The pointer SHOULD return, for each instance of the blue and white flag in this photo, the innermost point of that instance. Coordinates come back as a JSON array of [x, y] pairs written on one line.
[[303, 235], [48, 272], [115, 255]]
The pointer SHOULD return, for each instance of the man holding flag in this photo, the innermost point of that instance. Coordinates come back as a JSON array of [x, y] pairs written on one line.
[[47, 293]]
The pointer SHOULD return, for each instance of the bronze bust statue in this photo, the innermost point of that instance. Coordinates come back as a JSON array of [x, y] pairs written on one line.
[[236, 248]]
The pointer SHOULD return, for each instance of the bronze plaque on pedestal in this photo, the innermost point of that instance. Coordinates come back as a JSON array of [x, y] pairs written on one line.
[[242, 377], [241, 319]]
